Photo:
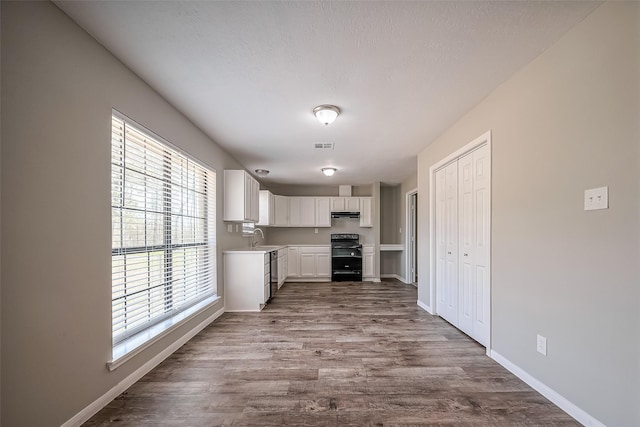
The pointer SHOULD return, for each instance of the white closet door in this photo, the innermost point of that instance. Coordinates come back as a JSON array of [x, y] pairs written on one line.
[[482, 198], [466, 228], [449, 237], [462, 225], [440, 239]]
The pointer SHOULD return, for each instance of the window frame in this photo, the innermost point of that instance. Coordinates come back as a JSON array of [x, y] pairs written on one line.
[[173, 315]]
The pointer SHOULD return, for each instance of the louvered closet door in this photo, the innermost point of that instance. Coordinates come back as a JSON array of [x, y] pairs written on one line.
[[447, 242]]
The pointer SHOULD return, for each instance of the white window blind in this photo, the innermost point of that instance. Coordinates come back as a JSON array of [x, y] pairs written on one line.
[[163, 229]]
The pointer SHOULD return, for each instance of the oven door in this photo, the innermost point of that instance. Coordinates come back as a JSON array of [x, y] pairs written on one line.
[[346, 251]]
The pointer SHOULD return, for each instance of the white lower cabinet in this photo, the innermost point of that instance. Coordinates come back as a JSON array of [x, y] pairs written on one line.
[[246, 280], [368, 262], [311, 263], [293, 262], [282, 266]]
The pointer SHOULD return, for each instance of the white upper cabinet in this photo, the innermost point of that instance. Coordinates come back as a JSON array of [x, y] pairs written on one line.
[[345, 204], [281, 211], [302, 211], [323, 212], [241, 197], [267, 211], [366, 218]]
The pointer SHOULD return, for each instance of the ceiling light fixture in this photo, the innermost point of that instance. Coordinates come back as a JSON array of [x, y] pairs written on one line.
[[262, 172], [326, 114], [328, 171]]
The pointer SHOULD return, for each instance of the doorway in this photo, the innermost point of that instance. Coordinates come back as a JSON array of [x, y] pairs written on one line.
[[412, 237]]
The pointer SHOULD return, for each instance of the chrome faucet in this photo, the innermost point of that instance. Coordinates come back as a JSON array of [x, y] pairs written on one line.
[[253, 237]]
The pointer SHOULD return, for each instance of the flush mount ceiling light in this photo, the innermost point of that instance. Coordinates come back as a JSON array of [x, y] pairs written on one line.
[[328, 171], [326, 114], [262, 172]]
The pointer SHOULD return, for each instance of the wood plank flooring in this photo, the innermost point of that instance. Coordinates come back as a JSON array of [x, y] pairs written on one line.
[[332, 354]]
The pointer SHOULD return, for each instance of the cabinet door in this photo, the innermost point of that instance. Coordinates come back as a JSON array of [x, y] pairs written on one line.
[[308, 265], [323, 212], [307, 211], [368, 261], [338, 204], [248, 194], [255, 200], [323, 265], [352, 204], [295, 211], [266, 208], [238, 197], [365, 212], [293, 262], [281, 211]]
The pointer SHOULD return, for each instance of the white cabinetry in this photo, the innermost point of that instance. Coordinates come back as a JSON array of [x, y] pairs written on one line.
[[281, 211], [246, 280], [368, 262], [241, 197], [309, 263], [267, 211], [302, 211], [282, 266], [323, 211], [293, 261], [366, 219], [462, 202], [345, 204]]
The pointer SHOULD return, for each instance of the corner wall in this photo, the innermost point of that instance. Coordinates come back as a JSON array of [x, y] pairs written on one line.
[[58, 88], [566, 122]]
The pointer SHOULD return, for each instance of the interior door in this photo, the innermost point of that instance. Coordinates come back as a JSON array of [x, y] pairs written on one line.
[[446, 223], [466, 227], [413, 238], [482, 291]]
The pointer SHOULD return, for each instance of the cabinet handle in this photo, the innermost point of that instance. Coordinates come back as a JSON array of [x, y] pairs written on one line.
[[466, 254]]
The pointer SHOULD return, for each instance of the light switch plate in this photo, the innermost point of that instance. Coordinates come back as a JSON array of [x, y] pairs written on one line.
[[596, 198], [541, 345]]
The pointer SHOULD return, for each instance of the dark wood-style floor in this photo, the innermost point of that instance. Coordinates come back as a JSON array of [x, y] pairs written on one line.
[[332, 354]]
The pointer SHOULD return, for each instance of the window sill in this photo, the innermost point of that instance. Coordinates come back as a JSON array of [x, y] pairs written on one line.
[[135, 344]]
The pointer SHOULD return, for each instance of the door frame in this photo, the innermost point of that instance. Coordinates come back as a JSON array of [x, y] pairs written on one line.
[[407, 227], [484, 139]]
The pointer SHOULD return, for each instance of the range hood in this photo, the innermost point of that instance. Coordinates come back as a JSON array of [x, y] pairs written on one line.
[[355, 215]]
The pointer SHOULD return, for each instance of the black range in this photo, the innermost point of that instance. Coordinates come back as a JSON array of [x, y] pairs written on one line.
[[346, 257]]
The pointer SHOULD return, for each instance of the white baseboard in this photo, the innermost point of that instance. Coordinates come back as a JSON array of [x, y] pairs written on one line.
[[563, 403], [425, 307], [94, 407], [394, 276]]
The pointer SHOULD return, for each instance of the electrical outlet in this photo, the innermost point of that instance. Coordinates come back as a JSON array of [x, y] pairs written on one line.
[[541, 345], [596, 198], [316, 231], [236, 228], [229, 228]]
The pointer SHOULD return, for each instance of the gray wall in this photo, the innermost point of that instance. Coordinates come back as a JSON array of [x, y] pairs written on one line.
[[389, 214], [58, 88], [567, 122]]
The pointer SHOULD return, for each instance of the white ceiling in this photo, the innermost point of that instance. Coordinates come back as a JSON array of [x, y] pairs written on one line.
[[249, 73]]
